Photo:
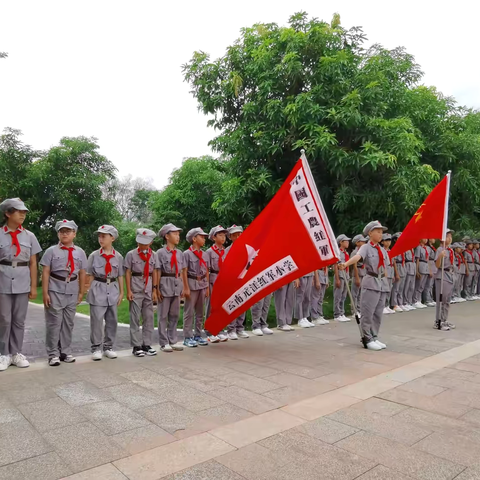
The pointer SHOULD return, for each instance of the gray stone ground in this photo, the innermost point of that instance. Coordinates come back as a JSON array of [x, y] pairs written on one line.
[[56, 422]]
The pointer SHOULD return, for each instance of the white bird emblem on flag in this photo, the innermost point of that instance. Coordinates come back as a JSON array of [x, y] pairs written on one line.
[[252, 254]]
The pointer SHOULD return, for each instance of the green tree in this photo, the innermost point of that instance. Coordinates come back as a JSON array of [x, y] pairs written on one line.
[[376, 140]]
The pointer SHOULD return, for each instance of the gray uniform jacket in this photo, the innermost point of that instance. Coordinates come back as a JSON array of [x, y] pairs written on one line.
[[135, 264], [447, 265], [343, 259], [57, 259], [470, 259], [213, 261], [100, 293], [14, 280], [170, 286], [323, 276], [421, 254], [431, 259], [410, 266], [196, 272], [401, 270], [390, 269], [371, 258], [476, 256], [360, 265]]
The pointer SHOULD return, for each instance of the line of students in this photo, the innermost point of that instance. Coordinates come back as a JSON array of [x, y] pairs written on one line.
[[379, 286]]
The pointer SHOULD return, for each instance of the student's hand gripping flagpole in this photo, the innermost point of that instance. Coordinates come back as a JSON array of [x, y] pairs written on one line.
[[444, 240]]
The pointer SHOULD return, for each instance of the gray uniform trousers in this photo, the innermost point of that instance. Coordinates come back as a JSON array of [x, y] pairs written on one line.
[[13, 311], [194, 308], [428, 291], [168, 313], [397, 291], [260, 312], [419, 287], [372, 306], [478, 283], [304, 298], [458, 284], [97, 314], [142, 306], [339, 296], [408, 289], [284, 299], [317, 301], [444, 307], [59, 319], [356, 294], [237, 325], [468, 284], [388, 299]]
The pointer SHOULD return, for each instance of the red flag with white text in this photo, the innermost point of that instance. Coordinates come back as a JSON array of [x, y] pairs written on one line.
[[290, 238]]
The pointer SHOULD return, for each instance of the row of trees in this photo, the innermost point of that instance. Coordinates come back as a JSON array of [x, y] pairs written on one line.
[[376, 138]]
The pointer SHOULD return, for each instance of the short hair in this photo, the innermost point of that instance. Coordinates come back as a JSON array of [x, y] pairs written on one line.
[[5, 218]]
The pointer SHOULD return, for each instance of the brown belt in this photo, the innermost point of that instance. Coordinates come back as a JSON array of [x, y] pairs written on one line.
[[165, 274], [216, 272], [139, 274], [375, 275], [14, 264], [108, 281], [63, 279], [198, 279]]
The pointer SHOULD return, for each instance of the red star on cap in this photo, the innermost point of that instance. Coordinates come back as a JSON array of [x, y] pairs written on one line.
[[103, 226], [64, 221], [144, 232]]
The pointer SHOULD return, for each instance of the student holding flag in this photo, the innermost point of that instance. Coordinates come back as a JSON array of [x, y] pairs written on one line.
[[444, 260]]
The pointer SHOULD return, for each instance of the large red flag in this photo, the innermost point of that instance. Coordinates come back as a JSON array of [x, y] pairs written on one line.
[[429, 221], [290, 238]]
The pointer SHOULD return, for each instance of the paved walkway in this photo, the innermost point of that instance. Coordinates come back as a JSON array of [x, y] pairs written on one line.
[[301, 405]]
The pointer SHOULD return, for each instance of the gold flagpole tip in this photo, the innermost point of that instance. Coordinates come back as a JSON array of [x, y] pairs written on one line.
[[302, 151]]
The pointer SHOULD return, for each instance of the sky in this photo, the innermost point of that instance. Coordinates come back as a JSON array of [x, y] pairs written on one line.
[[112, 69]]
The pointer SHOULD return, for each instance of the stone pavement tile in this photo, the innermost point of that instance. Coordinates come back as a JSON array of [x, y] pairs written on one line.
[[468, 367], [475, 360], [20, 441], [404, 459], [326, 430], [431, 404], [369, 387], [388, 427], [28, 392], [287, 395], [332, 462], [383, 473], [149, 380], [306, 372], [173, 457], [452, 372], [83, 446], [296, 381], [224, 414], [456, 448], [377, 407], [320, 405], [471, 473], [104, 472], [245, 399], [422, 387], [462, 384], [193, 379], [51, 414], [468, 399], [112, 417], [407, 373], [390, 359], [51, 377], [102, 378], [81, 393], [143, 438], [343, 377], [133, 396], [8, 415], [251, 369], [210, 470], [473, 417], [251, 430], [44, 467], [190, 398], [250, 382]]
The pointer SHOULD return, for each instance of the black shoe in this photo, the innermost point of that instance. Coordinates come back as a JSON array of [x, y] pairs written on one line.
[[138, 352], [149, 350]]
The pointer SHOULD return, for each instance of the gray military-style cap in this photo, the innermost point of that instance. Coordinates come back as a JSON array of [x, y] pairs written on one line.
[[145, 236], [234, 229], [386, 236], [169, 227], [455, 245], [66, 224], [215, 230], [358, 238], [194, 232], [110, 229], [396, 236], [372, 226], [468, 241], [450, 231], [342, 238], [15, 203]]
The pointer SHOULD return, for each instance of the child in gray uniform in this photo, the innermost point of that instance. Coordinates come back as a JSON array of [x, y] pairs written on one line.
[[374, 285], [284, 299], [303, 301], [260, 315], [409, 287], [470, 271], [18, 281], [423, 272], [390, 273], [196, 291], [399, 283], [105, 292], [428, 291], [358, 272], [341, 279], [63, 282], [172, 277], [320, 284], [141, 266], [444, 260]]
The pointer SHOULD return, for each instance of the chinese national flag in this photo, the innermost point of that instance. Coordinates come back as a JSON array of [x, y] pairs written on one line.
[[429, 221], [290, 238]]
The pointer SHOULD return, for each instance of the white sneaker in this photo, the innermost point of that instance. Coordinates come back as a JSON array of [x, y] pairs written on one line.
[[310, 323], [213, 339], [166, 349], [304, 323], [321, 321], [222, 337], [267, 331], [346, 319], [4, 362], [461, 300], [418, 305], [110, 353], [341, 319], [411, 307], [397, 309], [20, 361], [386, 311], [258, 332], [431, 304], [232, 336], [373, 345], [97, 355], [243, 334], [283, 328], [177, 347], [391, 310], [378, 342]]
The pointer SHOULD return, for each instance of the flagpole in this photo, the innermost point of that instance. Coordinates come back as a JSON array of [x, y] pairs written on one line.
[[355, 311], [444, 234]]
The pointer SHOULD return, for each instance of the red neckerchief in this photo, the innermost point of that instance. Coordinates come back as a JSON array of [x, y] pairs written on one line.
[[426, 251], [326, 270], [70, 262], [403, 259], [470, 252], [433, 248], [220, 254], [459, 259], [347, 256], [146, 268], [108, 267], [199, 255], [381, 262], [173, 260], [450, 251], [15, 242]]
